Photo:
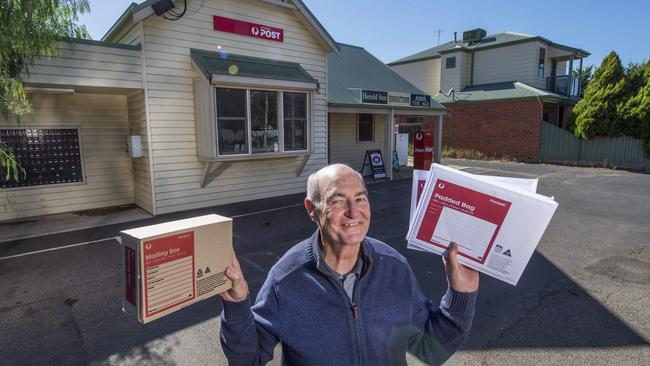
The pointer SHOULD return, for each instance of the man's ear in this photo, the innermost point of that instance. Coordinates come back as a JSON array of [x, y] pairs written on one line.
[[311, 210]]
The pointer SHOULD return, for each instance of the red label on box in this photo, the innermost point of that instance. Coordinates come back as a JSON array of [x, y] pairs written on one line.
[[168, 272], [229, 25], [471, 219], [422, 150]]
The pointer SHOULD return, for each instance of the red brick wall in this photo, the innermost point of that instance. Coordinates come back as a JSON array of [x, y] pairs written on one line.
[[508, 128]]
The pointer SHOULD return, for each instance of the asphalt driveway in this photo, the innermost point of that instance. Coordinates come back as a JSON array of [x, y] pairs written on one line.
[[584, 298]]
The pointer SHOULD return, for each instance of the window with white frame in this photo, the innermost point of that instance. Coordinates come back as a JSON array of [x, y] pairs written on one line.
[[254, 121], [450, 62], [365, 128], [541, 62]]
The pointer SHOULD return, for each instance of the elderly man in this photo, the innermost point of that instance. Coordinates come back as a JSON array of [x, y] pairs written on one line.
[[341, 298]]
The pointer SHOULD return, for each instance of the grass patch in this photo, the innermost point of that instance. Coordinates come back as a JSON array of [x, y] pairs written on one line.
[[470, 154]]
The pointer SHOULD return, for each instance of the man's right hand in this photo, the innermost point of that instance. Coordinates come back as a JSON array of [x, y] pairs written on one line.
[[239, 290]]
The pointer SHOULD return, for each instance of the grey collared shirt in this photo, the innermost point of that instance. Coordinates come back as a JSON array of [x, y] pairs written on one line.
[[347, 281]]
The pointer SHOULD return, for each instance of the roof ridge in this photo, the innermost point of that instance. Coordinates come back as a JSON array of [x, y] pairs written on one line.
[[518, 34]]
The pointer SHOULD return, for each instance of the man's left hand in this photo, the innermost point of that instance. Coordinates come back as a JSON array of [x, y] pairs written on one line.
[[460, 278]]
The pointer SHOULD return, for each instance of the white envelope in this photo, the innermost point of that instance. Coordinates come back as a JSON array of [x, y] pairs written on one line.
[[497, 221]]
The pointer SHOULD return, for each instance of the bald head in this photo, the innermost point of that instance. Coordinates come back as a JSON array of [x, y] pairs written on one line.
[[322, 177]]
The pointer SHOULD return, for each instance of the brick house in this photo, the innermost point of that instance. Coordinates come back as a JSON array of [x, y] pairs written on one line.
[[498, 88]]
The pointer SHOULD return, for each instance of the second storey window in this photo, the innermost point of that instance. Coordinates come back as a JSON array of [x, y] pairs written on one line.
[[541, 62], [251, 121], [450, 62]]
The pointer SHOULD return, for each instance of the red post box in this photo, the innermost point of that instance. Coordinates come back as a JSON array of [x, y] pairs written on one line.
[[422, 150]]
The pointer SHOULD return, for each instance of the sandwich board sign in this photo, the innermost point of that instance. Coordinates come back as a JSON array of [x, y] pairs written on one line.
[[376, 162]]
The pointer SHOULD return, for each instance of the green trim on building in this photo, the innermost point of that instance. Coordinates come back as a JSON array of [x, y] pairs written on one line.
[[127, 15], [511, 90], [136, 47], [357, 69], [221, 63], [491, 41]]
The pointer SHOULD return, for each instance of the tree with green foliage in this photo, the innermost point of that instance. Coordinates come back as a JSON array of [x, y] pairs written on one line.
[[585, 76], [596, 114], [30, 29], [635, 109]]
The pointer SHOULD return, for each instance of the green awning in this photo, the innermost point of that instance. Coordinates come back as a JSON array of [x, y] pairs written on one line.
[[226, 68]]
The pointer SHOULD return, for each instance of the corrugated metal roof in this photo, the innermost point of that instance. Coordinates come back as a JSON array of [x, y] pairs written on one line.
[[493, 40], [357, 68], [222, 63], [498, 91]]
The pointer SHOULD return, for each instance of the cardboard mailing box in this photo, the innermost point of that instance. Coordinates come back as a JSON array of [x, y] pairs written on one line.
[[175, 264]]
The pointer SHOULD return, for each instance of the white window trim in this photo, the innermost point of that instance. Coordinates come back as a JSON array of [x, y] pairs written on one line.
[[250, 155], [373, 129]]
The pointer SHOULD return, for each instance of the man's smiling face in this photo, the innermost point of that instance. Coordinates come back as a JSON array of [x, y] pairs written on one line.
[[344, 211]]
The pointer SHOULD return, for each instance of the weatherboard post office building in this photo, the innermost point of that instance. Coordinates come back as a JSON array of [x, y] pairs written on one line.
[[220, 101]]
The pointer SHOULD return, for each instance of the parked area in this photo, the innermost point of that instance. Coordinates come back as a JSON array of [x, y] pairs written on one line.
[[583, 299]]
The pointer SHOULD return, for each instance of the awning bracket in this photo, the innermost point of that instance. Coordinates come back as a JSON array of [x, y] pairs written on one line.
[[212, 170], [302, 164]]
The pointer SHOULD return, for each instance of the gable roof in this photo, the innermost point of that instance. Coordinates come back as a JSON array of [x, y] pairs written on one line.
[[495, 40], [357, 69], [499, 91], [297, 5]]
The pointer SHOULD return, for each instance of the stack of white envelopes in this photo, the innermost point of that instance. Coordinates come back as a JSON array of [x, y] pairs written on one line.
[[497, 222]]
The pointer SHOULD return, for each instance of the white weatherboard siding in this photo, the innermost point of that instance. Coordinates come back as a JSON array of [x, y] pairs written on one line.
[[509, 63], [457, 77], [88, 65], [141, 171], [344, 147], [423, 74], [177, 169], [103, 120]]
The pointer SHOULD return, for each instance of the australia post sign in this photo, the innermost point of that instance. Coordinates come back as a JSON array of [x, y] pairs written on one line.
[[422, 150], [254, 30]]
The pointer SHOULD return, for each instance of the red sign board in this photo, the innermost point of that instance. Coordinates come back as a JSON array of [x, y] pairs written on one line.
[[481, 215], [422, 150], [229, 25], [168, 272]]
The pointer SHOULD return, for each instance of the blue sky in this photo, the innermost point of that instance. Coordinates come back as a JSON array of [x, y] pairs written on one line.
[[393, 29]]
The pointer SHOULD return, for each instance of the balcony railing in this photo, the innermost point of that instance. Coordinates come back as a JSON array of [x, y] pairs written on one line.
[[564, 84]]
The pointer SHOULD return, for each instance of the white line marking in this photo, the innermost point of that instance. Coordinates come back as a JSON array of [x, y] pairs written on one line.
[[118, 239], [58, 248], [265, 211]]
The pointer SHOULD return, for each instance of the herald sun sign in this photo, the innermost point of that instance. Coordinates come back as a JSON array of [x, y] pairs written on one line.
[[254, 30]]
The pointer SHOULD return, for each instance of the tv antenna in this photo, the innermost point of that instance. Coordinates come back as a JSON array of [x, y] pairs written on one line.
[[439, 31]]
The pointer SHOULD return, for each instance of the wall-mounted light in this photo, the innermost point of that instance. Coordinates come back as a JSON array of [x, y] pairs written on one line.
[[39, 90]]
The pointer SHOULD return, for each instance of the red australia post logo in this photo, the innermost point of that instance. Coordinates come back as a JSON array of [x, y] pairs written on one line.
[[255, 30]]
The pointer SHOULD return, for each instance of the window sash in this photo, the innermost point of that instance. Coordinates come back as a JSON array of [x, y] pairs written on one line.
[[293, 118], [264, 130], [236, 140]]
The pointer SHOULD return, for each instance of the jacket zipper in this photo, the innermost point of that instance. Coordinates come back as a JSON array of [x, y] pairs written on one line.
[[354, 305]]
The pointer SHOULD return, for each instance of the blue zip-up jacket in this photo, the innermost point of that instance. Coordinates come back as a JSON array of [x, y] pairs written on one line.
[[318, 324]]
